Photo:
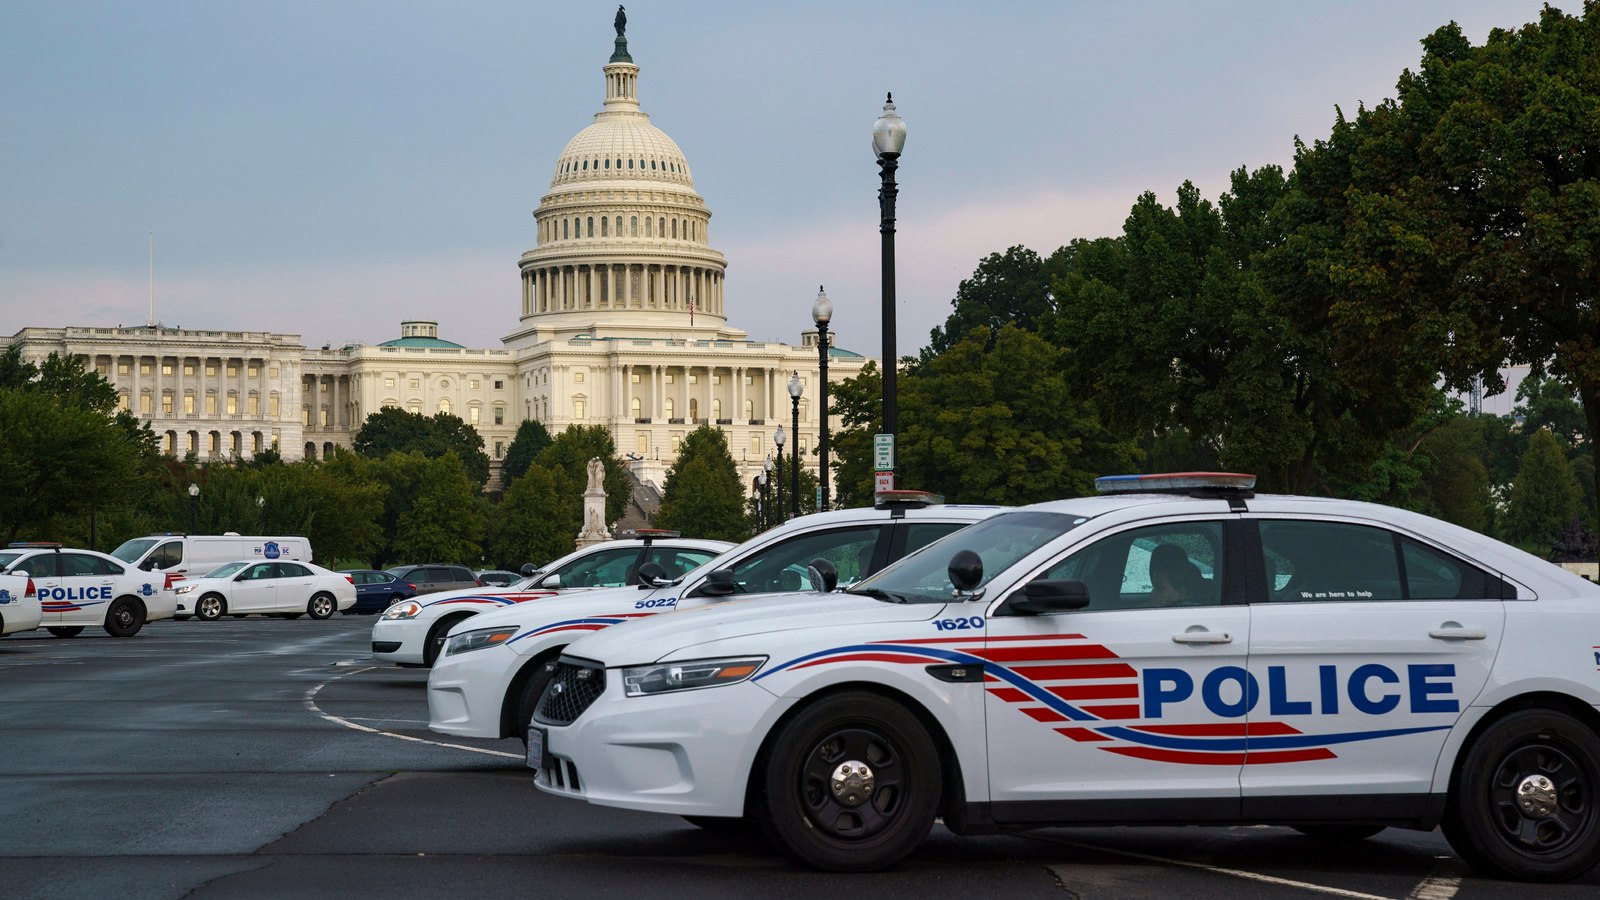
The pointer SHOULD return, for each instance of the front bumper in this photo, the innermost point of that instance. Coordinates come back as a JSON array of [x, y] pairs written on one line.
[[687, 753], [466, 691], [402, 641]]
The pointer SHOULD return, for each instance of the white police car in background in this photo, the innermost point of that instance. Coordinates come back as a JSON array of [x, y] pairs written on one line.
[[77, 588], [412, 632], [494, 667], [1204, 656], [19, 605]]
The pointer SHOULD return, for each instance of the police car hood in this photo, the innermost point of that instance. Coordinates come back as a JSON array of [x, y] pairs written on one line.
[[544, 610], [685, 634]]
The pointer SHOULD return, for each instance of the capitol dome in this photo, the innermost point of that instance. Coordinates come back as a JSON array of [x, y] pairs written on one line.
[[623, 237]]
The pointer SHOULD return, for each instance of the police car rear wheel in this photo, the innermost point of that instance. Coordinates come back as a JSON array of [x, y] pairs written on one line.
[[1525, 803], [322, 606], [65, 631], [852, 784], [124, 618], [210, 608]]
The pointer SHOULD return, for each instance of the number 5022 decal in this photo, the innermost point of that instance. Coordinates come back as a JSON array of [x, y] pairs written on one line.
[[959, 624]]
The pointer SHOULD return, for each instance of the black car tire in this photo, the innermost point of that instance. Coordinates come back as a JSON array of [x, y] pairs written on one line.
[[434, 645], [322, 606], [125, 617], [210, 607], [861, 825], [528, 697], [1524, 801], [64, 631]]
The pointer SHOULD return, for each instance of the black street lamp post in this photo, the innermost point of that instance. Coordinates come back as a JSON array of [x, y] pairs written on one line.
[[888, 140], [194, 507], [777, 488], [761, 501], [795, 390], [822, 314]]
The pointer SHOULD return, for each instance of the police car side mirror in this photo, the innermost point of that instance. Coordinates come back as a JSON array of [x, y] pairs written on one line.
[[824, 576], [717, 584], [653, 575], [1048, 595], [551, 582], [528, 569], [965, 570], [148, 565]]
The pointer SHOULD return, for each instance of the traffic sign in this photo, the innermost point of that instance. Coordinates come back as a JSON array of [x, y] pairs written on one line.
[[883, 452], [883, 481]]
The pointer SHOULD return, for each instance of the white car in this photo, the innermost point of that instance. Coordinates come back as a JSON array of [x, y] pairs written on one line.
[[412, 632], [19, 605], [1204, 656], [285, 588], [78, 588], [495, 666]]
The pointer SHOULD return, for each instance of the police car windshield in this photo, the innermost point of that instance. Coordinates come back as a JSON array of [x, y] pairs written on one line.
[[225, 571], [1000, 542], [6, 559], [130, 551]]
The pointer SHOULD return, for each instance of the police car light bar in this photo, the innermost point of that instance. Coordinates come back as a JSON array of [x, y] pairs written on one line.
[[1175, 482], [648, 533], [34, 545], [905, 499]]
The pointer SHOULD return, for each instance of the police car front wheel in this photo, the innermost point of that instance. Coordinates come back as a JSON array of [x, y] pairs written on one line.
[[124, 618], [851, 783], [1525, 803]]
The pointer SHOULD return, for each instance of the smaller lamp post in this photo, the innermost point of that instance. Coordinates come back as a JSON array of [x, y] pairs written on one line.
[[261, 514], [795, 390], [777, 488], [766, 482], [194, 507], [822, 314], [761, 501]]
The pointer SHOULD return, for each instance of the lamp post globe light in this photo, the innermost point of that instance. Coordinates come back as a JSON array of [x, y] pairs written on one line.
[[777, 487], [795, 390], [194, 506], [822, 314], [888, 139]]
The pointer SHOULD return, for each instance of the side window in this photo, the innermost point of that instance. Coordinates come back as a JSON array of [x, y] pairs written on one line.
[[107, 566], [1172, 564], [1319, 562], [292, 570], [44, 565], [259, 572], [782, 566], [921, 534], [168, 555], [79, 565], [679, 562], [1432, 575], [608, 568]]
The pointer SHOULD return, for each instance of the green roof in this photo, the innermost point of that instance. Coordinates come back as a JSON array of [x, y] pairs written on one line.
[[840, 351], [439, 343]]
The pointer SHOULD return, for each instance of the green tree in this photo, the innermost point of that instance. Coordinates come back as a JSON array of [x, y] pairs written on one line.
[[1002, 425], [530, 525], [779, 491], [395, 430], [1010, 288], [530, 441], [570, 451], [1548, 403], [858, 402], [443, 522], [58, 461], [703, 495], [1544, 497], [1463, 217]]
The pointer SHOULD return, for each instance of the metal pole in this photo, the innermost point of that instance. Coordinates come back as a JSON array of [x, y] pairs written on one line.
[[194, 513], [777, 489], [888, 162], [822, 433], [794, 477]]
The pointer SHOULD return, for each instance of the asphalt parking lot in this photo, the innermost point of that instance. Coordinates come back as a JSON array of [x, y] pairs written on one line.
[[270, 758]]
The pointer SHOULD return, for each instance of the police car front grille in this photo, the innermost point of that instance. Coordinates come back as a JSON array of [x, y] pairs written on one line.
[[571, 691]]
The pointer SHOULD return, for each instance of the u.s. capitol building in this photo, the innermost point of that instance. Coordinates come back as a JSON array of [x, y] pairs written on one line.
[[622, 323]]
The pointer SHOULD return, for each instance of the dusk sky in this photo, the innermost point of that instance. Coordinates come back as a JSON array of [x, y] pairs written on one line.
[[330, 168]]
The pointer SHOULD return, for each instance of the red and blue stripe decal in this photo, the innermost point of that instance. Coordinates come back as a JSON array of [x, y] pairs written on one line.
[[510, 599], [586, 624]]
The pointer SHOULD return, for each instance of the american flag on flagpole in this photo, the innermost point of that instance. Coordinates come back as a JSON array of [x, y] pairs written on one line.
[[691, 310]]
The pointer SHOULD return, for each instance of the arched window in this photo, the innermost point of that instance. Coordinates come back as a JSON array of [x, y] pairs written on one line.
[[674, 229], [578, 408], [666, 407], [637, 407], [694, 407], [564, 234], [630, 163], [749, 409], [716, 408], [661, 227], [619, 226], [591, 226], [649, 229], [608, 163], [444, 405], [633, 225], [604, 223]]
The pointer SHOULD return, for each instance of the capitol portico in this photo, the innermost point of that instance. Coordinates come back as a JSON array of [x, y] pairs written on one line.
[[621, 322]]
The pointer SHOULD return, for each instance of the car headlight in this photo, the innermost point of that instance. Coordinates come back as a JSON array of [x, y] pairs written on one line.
[[468, 641], [637, 681], [406, 610], [184, 588]]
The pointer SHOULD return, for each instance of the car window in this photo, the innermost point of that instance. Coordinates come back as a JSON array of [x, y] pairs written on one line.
[[79, 565], [605, 568], [260, 572], [223, 571], [41, 565], [921, 534], [1000, 542], [1171, 564], [458, 573], [679, 563], [292, 570], [377, 578], [1319, 562], [167, 555], [6, 559], [782, 566]]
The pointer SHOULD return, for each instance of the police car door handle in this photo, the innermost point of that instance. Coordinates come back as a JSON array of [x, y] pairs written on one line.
[[1203, 637], [1450, 631]]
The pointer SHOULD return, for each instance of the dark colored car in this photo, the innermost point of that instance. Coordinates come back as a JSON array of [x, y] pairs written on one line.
[[498, 577], [437, 577], [376, 591]]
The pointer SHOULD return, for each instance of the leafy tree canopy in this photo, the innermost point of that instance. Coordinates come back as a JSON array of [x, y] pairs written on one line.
[[530, 441], [395, 430], [1544, 498], [703, 495], [570, 451]]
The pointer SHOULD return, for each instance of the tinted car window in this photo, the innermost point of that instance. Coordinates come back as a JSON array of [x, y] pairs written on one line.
[[292, 570], [167, 555], [259, 572], [606, 568], [79, 564], [1172, 564], [41, 565], [1433, 575], [1318, 562], [679, 562], [783, 567]]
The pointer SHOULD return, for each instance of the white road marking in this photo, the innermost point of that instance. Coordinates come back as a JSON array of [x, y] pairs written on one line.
[[311, 704], [1437, 888], [1236, 873]]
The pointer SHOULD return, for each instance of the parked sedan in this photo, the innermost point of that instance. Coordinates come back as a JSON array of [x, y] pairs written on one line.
[[436, 577], [376, 591], [287, 589]]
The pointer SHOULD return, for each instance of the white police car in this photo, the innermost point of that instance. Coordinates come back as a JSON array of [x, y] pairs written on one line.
[[412, 632], [77, 588], [494, 666], [19, 605], [1204, 656]]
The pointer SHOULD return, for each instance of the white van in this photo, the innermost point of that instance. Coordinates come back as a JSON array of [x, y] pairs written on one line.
[[193, 555]]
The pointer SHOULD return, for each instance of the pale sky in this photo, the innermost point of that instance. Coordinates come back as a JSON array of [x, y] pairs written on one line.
[[331, 167]]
